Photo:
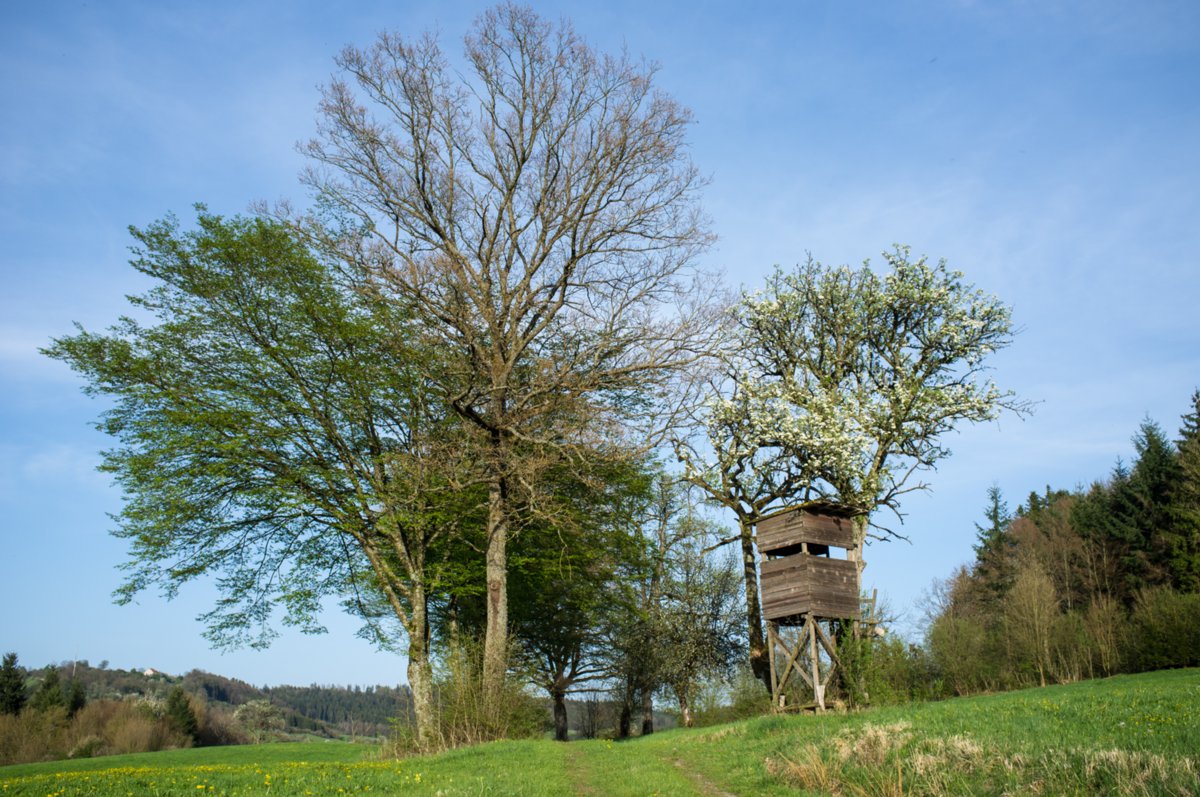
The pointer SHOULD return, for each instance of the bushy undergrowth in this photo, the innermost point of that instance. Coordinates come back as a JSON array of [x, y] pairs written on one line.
[[1164, 631], [463, 716], [107, 727], [1160, 631]]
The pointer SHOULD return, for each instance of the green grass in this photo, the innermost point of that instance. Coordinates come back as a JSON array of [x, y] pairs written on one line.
[[1136, 735]]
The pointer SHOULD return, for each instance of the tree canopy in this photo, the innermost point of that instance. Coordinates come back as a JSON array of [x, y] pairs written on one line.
[[839, 388], [274, 432], [539, 214]]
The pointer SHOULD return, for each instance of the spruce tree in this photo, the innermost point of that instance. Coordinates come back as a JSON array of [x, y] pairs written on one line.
[[994, 551], [1183, 553], [75, 697], [179, 711], [12, 686], [1154, 480], [49, 693]]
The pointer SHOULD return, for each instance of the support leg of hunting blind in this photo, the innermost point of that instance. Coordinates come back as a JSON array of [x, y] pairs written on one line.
[[801, 655], [772, 634], [814, 657]]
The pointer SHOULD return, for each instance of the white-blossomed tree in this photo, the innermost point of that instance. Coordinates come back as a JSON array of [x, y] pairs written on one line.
[[840, 387]]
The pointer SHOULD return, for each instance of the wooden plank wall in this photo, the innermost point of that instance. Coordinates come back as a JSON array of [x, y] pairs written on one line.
[[797, 584], [789, 529]]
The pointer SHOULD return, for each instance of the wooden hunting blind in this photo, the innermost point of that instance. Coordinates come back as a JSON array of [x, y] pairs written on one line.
[[798, 575], [806, 592]]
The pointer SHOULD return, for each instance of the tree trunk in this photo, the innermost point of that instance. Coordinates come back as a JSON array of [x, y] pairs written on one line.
[[420, 673], [855, 554], [625, 719], [647, 713], [685, 708], [560, 714], [760, 663], [495, 641]]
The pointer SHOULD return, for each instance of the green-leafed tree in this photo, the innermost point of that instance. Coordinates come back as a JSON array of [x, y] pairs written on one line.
[[276, 432], [12, 686], [853, 378], [674, 620], [697, 623], [565, 571]]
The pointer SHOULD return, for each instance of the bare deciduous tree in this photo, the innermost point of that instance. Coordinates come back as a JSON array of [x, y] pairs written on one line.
[[1030, 613], [539, 211]]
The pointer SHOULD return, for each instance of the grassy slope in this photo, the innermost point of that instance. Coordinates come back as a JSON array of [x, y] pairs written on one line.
[[1130, 734]]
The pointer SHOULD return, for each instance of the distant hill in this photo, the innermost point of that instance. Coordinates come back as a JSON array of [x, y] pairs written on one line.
[[331, 711]]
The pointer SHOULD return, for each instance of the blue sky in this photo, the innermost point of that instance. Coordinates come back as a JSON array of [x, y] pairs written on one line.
[[1047, 149]]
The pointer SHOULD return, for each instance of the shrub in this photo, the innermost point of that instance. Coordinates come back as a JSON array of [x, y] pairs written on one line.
[[464, 718], [1164, 631], [1071, 650], [102, 727], [885, 670], [959, 647], [135, 732], [215, 725], [33, 736], [260, 719], [1104, 623], [748, 697]]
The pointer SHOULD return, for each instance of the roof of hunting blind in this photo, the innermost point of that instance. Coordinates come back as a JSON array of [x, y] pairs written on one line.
[[820, 524]]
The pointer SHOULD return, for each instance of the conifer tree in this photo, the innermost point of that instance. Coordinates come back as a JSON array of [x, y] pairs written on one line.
[[995, 548], [12, 686], [1154, 479], [1183, 545], [179, 711], [74, 697], [49, 693]]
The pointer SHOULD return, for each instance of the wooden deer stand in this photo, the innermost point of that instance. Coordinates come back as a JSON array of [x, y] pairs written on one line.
[[805, 591]]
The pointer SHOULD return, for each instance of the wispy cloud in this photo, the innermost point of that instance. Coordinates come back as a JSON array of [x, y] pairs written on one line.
[[53, 469]]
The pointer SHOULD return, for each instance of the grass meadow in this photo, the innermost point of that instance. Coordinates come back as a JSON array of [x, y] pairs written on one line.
[[1127, 735]]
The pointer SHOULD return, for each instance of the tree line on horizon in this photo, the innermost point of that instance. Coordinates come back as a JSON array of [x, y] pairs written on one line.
[[73, 710], [483, 395], [1082, 583]]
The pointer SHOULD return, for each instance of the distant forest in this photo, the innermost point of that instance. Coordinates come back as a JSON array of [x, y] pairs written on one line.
[[328, 711], [332, 711], [1081, 583]]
